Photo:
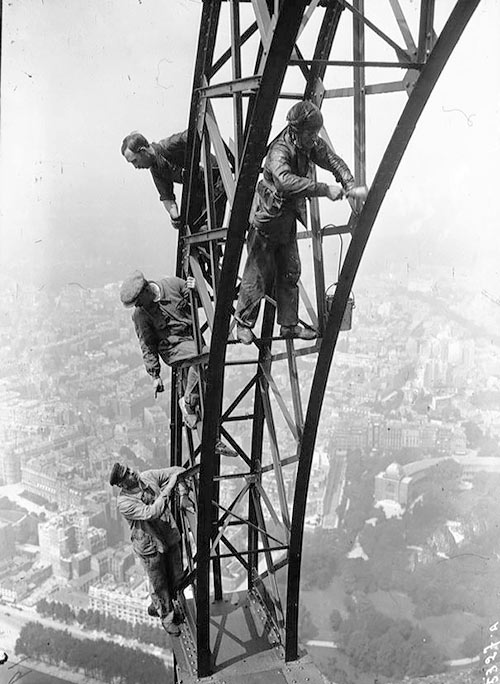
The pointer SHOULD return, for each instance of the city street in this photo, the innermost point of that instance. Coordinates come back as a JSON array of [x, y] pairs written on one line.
[[12, 619]]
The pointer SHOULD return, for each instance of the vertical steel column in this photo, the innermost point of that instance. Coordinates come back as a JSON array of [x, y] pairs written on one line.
[[359, 95], [257, 438], [175, 423], [317, 255], [425, 32], [258, 130], [295, 387], [206, 44], [314, 91], [237, 99], [210, 200], [213, 248], [443, 48], [216, 566]]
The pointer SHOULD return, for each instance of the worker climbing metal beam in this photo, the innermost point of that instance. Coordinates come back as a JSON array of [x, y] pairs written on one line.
[[457, 21], [273, 73], [226, 500]]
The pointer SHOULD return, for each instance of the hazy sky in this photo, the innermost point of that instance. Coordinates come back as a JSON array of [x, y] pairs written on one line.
[[78, 76]]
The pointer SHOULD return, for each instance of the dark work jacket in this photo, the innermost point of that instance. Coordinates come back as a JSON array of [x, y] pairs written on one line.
[[169, 166], [165, 325], [287, 179]]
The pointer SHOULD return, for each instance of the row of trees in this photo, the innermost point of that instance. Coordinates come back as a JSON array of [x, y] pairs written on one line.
[[319, 559], [464, 582], [393, 648], [476, 439], [92, 619], [94, 658]]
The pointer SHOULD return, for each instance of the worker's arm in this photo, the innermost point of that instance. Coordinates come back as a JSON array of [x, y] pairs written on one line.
[[287, 183], [173, 211], [162, 476], [164, 181], [148, 343], [169, 478], [166, 478], [187, 287], [183, 289], [323, 155], [134, 509]]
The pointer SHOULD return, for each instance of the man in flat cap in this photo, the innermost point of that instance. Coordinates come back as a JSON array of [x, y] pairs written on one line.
[[143, 502], [273, 255], [166, 162], [163, 323]]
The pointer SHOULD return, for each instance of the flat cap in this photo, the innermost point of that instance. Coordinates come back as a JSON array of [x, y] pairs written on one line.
[[117, 473], [132, 287]]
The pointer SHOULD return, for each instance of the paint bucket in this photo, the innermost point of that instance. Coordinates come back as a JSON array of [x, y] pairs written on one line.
[[347, 318]]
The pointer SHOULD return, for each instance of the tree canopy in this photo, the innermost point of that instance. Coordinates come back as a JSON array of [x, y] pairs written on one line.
[[97, 658]]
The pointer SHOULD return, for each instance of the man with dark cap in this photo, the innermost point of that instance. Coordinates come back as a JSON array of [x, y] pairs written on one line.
[[143, 502], [166, 161], [163, 323], [273, 255]]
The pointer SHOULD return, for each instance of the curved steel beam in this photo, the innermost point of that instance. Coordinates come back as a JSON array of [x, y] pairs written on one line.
[[285, 33], [442, 50]]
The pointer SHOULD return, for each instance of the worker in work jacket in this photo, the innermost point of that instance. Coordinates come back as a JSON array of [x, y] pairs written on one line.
[[143, 502], [163, 324], [280, 199], [166, 160]]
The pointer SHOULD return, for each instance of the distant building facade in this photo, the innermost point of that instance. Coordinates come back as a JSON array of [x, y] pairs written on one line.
[[122, 602], [404, 483]]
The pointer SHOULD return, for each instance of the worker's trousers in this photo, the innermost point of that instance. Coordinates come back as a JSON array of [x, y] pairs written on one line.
[[179, 353], [164, 572], [273, 259]]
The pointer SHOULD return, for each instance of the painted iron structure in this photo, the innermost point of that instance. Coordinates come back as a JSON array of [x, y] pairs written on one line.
[[243, 543]]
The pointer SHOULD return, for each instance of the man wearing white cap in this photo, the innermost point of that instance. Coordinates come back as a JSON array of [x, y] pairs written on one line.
[[163, 323]]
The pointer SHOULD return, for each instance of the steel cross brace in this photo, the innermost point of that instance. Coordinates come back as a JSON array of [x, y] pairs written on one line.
[[442, 50]]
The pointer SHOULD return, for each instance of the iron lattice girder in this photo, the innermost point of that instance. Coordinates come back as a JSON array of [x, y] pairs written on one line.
[[423, 60], [254, 150], [442, 50]]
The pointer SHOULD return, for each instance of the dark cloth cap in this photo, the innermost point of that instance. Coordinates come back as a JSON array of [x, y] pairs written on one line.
[[305, 115], [117, 473], [132, 287]]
